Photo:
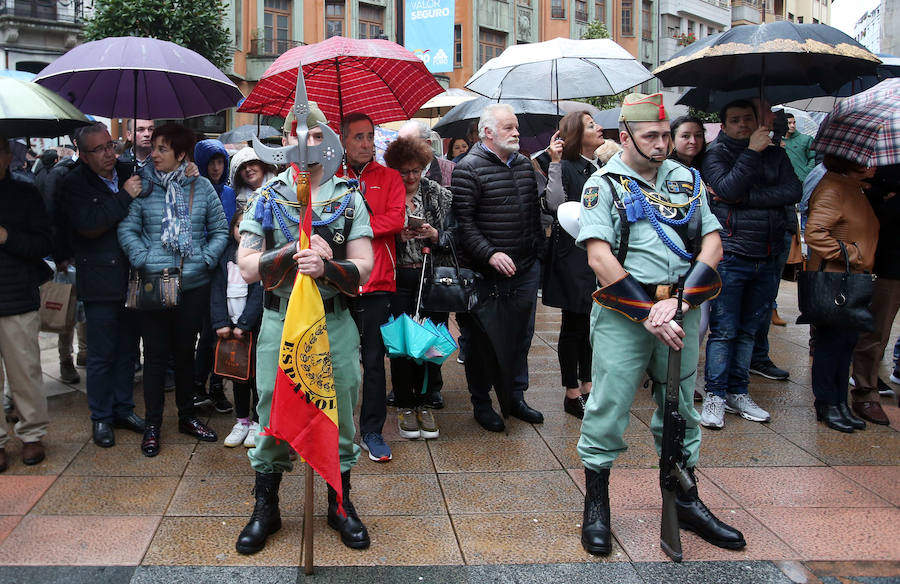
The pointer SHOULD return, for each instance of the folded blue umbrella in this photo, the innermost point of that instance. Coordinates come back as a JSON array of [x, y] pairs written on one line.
[[404, 337]]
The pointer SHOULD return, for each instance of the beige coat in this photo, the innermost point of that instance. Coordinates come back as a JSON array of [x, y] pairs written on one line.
[[840, 211]]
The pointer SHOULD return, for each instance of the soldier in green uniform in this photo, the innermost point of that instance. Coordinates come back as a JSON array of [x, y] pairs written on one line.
[[646, 225], [340, 259]]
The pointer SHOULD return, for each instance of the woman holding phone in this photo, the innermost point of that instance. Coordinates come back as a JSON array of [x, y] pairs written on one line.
[[427, 206]]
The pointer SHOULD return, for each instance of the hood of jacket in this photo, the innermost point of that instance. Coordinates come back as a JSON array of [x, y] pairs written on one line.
[[242, 157], [204, 151]]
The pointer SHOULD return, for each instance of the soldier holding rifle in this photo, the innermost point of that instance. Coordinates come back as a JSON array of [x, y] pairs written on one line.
[[646, 225]]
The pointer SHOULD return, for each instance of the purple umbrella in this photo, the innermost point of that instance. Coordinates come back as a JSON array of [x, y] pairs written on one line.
[[142, 78]]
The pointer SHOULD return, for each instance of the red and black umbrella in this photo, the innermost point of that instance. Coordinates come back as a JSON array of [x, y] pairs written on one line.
[[377, 77]]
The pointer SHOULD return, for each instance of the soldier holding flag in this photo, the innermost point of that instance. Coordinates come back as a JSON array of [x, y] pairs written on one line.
[[339, 258]]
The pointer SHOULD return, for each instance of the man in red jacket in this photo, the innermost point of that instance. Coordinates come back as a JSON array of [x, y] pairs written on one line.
[[385, 198]]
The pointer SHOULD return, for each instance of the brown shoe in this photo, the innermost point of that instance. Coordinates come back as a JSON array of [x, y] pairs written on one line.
[[32, 452], [870, 411], [777, 320], [3, 464]]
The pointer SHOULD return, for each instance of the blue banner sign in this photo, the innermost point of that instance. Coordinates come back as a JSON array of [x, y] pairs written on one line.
[[428, 32]]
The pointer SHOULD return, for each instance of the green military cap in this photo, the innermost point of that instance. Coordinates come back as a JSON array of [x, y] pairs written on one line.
[[639, 107], [314, 116]]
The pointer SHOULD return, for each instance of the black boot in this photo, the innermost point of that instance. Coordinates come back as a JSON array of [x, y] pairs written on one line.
[[596, 536], [353, 533], [266, 518], [695, 516]]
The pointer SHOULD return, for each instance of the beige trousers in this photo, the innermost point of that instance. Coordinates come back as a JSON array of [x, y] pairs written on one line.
[[21, 355]]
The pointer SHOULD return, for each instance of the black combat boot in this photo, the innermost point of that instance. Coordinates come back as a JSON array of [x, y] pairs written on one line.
[[596, 536], [266, 518], [353, 533], [695, 516]]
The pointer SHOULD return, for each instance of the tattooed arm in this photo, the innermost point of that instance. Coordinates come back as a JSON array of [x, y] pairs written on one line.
[[252, 246]]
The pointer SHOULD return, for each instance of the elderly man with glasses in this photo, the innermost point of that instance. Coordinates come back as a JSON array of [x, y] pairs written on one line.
[[94, 197]]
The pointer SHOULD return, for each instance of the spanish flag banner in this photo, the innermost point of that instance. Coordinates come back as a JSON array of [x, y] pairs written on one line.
[[304, 405]]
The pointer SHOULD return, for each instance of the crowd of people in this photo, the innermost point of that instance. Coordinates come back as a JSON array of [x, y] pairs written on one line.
[[659, 209]]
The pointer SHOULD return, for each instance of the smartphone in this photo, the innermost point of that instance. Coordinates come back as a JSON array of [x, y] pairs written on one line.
[[414, 222]]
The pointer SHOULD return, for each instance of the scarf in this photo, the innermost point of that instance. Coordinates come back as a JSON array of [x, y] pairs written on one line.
[[176, 221]]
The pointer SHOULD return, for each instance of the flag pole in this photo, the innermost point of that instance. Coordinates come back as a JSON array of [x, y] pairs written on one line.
[[308, 523]]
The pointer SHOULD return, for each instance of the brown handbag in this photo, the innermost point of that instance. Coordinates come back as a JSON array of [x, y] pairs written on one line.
[[234, 357], [156, 290]]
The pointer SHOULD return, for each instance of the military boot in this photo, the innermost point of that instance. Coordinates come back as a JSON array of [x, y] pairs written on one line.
[[695, 516], [353, 533], [266, 518], [596, 536]]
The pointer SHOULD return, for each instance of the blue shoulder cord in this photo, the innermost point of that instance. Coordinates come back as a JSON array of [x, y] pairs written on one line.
[[654, 217], [267, 210]]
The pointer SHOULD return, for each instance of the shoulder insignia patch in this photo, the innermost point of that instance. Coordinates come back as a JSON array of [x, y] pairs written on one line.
[[590, 197], [680, 186]]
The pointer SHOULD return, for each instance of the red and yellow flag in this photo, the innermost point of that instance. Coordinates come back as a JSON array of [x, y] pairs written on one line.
[[304, 405]]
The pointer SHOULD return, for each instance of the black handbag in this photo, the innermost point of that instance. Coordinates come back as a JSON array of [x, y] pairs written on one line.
[[836, 299], [447, 288], [156, 290]]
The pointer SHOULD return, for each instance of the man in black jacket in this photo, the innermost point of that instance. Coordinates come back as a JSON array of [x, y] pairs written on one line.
[[24, 241], [95, 196], [495, 202], [751, 180]]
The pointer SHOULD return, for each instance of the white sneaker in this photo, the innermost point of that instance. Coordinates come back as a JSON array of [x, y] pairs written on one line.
[[895, 376], [713, 414], [250, 440], [237, 435], [743, 404]]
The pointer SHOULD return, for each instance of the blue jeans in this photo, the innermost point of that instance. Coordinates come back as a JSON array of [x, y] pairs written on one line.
[[761, 341], [112, 332], [748, 287]]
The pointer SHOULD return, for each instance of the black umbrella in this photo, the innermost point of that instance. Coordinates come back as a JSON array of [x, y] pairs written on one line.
[[535, 116], [246, 132], [713, 100], [504, 318], [780, 53]]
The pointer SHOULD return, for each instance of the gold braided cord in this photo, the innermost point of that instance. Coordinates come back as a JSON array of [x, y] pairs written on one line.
[[651, 196]]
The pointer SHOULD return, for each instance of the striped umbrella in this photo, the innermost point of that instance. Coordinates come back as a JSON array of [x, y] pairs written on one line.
[[377, 77], [865, 128]]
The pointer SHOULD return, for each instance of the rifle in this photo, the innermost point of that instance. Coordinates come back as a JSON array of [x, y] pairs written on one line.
[[672, 472]]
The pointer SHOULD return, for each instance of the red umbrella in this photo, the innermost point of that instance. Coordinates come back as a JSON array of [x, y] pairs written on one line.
[[377, 77]]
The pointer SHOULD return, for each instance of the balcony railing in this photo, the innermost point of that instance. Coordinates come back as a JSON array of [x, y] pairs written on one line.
[[271, 47], [44, 10]]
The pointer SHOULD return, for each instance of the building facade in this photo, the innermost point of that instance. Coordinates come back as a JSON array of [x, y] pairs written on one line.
[[799, 11], [263, 29], [33, 33], [867, 29]]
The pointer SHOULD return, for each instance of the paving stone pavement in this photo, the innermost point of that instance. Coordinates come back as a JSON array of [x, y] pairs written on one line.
[[472, 506]]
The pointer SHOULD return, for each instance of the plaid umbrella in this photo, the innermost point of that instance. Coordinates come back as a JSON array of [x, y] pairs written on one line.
[[377, 77], [865, 128]]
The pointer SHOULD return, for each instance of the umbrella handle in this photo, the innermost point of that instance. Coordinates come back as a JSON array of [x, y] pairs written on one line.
[[425, 253]]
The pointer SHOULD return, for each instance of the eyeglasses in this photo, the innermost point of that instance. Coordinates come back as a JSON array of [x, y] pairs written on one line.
[[108, 147], [410, 171]]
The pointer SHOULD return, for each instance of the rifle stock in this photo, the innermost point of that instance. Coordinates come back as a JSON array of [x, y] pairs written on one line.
[[672, 473]]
